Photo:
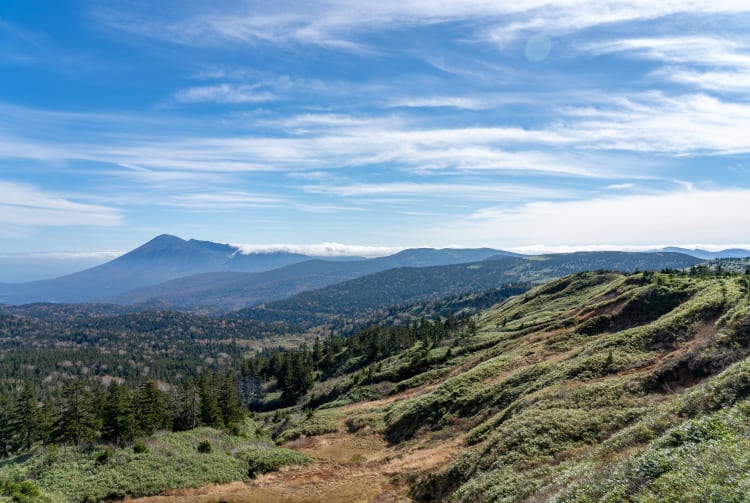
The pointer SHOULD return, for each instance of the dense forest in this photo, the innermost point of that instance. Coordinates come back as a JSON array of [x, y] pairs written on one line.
[[54, 344], [81, 412], [101, 373]]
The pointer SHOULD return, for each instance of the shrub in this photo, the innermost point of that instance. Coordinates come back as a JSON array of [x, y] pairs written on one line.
[[21, 492], [104, 456], [269, 460], [53, 454], [205, 447], [140, 448]]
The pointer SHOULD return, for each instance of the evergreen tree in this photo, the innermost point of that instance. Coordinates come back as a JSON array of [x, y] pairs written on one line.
[[118, 417], [6, 431], [151, 410], [229, 400], [47, 415], [210, 412], [187, 407], [77, 422], [25, 421], [295, 377], [317, 353]]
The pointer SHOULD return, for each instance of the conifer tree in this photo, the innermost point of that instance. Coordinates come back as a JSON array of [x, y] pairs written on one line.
[[151, 410], [118, 417], [47, 415], [317, 353], [187, 406], [25, 421], [295, 377], [77, 422], [229, 400], [210, 412], [6, 431]]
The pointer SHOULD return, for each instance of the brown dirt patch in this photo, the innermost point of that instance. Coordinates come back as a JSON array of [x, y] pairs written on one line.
[[350, 467], [406, 394]]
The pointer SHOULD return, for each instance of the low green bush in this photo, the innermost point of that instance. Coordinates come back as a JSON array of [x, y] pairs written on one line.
[[140, 448], [269, 460], [21, 492], [104, 456]]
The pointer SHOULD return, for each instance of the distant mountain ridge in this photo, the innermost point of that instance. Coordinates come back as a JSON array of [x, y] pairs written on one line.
[[318, 286], [367, 294], [166, 258], [170, 272], [229, 291], [708, 255]]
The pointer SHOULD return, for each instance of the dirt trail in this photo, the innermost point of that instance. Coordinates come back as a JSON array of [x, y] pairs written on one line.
[[404, 395], [349, 467], [322, 482]]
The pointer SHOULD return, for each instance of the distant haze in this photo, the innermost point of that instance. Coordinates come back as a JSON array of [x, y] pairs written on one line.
[[540, 249], [19, 267]]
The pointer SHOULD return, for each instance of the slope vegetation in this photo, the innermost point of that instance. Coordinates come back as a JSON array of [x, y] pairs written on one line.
[[598, 386]]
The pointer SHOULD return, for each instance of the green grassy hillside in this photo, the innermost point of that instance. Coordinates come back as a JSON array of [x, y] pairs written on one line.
[[595, 387]]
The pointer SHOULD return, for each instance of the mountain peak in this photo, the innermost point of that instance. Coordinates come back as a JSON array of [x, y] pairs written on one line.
[[161, 244], [166, 238]]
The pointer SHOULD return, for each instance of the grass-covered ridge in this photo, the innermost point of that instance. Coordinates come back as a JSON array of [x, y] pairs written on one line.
[[580, 376], [577, 364]]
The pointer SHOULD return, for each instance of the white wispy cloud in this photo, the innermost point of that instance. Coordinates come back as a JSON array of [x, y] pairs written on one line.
[[720, 81], [693, 124], [26, 205], [461, 102], [317, 123], [474, 191], [701, 62], [159, 178], [322, 144], [224, 93], [337, 23], [322, 249], [700, 49], [223, 201], [620, 186], [574, 142], [683, 216]]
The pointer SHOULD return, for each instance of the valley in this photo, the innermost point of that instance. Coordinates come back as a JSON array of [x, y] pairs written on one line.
[[565, 391]]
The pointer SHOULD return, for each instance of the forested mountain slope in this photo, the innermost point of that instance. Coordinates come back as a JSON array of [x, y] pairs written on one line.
[[371, 294], [229, 291]]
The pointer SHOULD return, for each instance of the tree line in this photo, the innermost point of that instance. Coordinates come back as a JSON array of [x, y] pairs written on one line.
[[117, 414], [295, 371]]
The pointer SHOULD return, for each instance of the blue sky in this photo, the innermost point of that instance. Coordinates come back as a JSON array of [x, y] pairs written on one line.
[[534, 125]]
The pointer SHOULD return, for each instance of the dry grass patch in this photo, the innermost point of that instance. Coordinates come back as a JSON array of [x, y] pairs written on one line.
[[318, 484], [341, 448]]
